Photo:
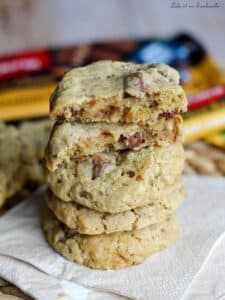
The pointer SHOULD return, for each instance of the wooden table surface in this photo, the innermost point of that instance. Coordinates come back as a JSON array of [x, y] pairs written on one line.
[[35, 23]]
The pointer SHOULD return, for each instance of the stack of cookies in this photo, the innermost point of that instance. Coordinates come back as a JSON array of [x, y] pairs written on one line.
[[114, 163]]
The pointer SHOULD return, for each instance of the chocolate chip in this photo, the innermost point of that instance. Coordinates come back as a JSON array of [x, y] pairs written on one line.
[[135, 140], [135, 81], [132, 141], [60, 118], [139, 76], [131, 174], [122, 139]]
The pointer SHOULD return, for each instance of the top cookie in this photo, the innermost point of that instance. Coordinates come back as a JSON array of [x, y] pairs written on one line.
[[113, 92]]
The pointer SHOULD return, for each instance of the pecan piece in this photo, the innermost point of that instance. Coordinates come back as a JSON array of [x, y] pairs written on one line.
[[98, 166]]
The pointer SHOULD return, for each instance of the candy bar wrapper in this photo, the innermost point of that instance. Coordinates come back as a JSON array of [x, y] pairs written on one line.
[[217, 139], [27, 79], [206, 114]]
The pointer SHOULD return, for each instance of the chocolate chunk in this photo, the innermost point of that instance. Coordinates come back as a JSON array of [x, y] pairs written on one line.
[[134, 85], [168, 115], [131, 174], [135, 140], [99, 166], [137, 78], [132, 141], [122, 139]]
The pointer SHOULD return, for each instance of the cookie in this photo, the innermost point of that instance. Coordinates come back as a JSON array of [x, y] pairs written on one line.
[[118, 181], [12, 175], [11, 292], [88, 221], [72, 140], [112, 92], [110, 251], [34, 136]]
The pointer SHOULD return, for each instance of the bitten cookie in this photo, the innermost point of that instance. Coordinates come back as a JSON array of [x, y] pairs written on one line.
[[110, 251], [118, 181], [112, 92], [72, 140], [88, 221]]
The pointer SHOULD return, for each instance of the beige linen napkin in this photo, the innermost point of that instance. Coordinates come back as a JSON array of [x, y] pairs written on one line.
[[166, 275]]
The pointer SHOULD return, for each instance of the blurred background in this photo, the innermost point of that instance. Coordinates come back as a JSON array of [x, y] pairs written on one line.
[[41, 39], [37, 23]]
